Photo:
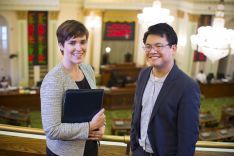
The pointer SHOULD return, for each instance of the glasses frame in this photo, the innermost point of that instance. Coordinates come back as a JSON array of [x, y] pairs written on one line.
[[155, 47]]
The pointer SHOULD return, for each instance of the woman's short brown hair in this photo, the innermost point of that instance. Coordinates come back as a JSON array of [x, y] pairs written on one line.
[[71, 29]]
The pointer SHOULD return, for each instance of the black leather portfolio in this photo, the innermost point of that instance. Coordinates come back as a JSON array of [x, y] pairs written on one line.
[[80, 105]]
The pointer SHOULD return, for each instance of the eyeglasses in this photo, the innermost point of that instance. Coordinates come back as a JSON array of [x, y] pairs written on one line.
[[156, 47]]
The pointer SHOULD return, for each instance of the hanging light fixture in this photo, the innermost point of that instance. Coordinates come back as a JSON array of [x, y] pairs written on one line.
[[214, 41], [93, 20], [155, 14]]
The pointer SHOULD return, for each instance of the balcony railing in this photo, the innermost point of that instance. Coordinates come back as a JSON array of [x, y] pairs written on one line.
[[123, 139]]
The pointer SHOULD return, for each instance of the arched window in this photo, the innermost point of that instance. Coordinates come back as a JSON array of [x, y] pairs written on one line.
[[4, 52]]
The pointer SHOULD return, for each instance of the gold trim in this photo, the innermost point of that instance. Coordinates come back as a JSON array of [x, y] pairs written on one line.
[[96, 12], [53, 15], [22, 15], [120, 15], [209, 2], [193, 17], [180, 14]]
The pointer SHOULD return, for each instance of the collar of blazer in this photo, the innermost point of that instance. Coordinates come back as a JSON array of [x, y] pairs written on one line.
[[87, 71]]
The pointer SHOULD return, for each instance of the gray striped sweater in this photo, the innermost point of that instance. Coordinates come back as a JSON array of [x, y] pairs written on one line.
[[66, 139]]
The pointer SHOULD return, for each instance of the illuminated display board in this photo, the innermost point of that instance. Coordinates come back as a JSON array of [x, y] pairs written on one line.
[[119, 31]]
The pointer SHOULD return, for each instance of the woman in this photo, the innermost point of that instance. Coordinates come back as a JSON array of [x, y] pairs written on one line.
[[70, 73]]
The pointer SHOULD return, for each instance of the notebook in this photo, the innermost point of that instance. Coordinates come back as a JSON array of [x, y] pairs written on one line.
[[80, 105]]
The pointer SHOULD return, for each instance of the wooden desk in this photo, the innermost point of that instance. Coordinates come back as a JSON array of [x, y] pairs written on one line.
[[127, 69], [120, 98], [16, 100], [15, 116], [217, 90], [120, 125]]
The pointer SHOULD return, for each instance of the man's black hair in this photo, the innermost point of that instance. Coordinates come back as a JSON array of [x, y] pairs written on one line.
[[162, 29]]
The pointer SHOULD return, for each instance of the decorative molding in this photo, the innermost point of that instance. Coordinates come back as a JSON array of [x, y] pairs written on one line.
[[113, 15], [53, 15], [72, 3], [180, 14], [22, 15], [193, 17], [189, 6], [115, 5], [228, 2], [35, 5], [97, 12], [205, 7]]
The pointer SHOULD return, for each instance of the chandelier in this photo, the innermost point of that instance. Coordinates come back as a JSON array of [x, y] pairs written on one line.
[[214, 41], [92, 20], [155, 14]]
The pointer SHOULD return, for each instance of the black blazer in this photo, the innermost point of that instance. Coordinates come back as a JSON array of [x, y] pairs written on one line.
[[174, 124]]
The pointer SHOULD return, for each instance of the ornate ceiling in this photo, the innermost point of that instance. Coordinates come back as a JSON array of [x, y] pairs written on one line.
[[190, 6]]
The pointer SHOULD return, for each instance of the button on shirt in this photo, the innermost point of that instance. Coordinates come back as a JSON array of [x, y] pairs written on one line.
[[150, 95]]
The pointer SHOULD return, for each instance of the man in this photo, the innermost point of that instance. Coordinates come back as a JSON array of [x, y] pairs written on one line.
[[201, 77], [166, 105]]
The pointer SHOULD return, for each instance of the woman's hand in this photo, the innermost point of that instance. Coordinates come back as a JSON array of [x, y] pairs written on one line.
[[97, 134], [97, 121]]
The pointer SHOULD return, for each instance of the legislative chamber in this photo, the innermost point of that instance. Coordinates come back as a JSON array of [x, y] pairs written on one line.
[[117, 54]]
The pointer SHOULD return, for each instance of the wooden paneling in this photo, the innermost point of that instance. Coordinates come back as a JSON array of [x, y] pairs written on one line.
[[23, 101], [126, 69], [22, 145], [217, 90], [121, 98], [113, 99]]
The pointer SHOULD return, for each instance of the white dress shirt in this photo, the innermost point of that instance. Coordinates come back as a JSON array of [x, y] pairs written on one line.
[[150, 95]]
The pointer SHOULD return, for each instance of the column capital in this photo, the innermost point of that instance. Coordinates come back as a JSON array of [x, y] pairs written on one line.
[[97, 12], [22, 15], [53, 15], [180, 14], [193, 17]]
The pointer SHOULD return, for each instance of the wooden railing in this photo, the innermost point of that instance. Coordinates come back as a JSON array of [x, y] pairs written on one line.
[[124, 139]]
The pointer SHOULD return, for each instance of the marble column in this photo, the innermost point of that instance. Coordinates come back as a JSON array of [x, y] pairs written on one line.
[[187, 25], [22, 39], [54, 53], [93, 55], [139, 55], [230, 62]]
